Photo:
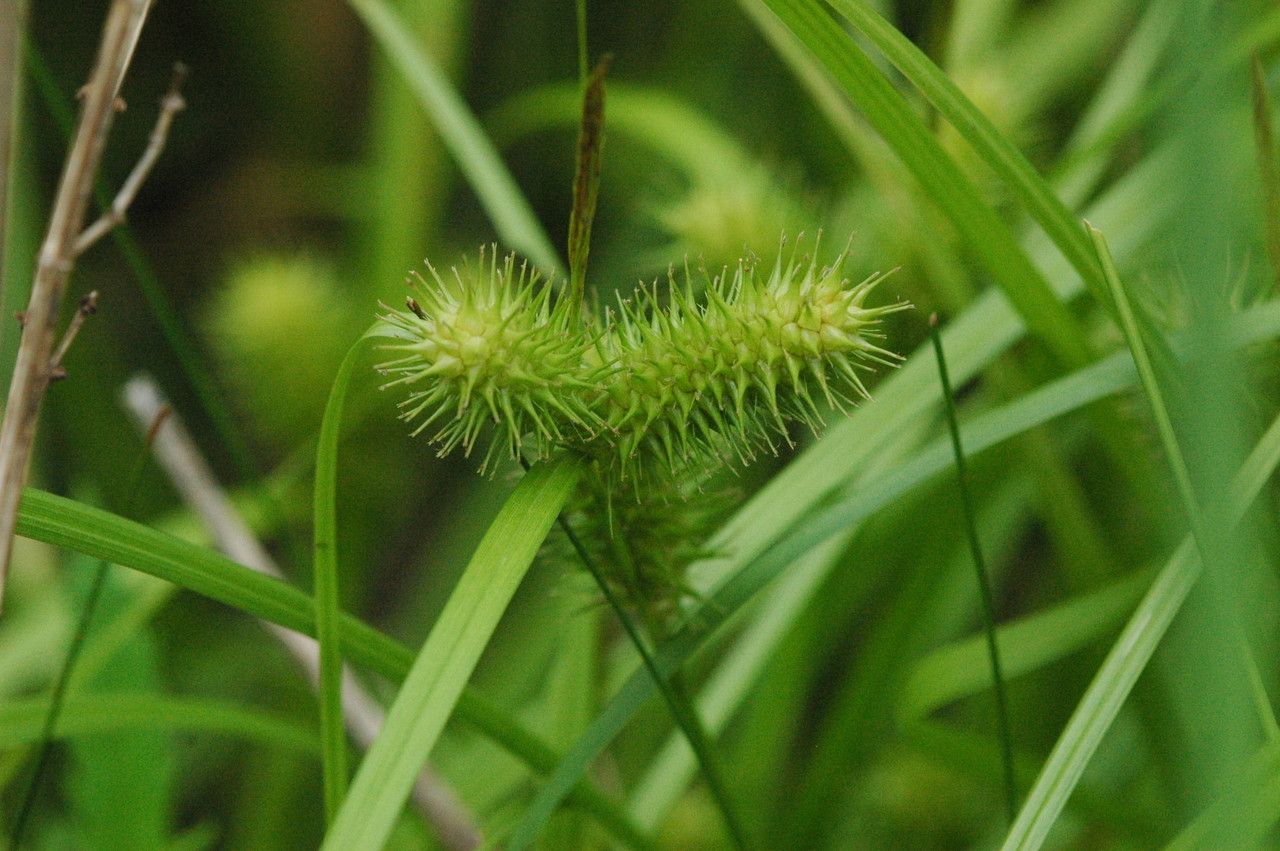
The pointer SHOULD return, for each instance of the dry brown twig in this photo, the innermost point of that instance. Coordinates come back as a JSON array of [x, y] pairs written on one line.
[[38, 361], [180, 458]]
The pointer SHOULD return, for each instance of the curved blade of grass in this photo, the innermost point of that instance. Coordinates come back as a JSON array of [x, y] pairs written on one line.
[[859, 502], [996, 151], [333, 728], [462, 134], [436, 680], [66, 523], [986, 234], [21, 721], [1127, 659]]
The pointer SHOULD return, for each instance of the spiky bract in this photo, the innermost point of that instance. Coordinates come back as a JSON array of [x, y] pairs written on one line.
[[698, 380], [486, 345]]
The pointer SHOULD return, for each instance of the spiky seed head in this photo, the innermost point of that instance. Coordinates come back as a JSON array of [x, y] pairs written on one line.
[[694, 381], [487, 347]]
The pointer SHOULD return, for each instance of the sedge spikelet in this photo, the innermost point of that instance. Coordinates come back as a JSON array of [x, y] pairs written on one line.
[[699, 381], [487, 346]]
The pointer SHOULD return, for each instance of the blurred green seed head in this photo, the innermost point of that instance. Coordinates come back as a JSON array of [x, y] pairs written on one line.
[[721, 220], [278, 326], [993, 93]]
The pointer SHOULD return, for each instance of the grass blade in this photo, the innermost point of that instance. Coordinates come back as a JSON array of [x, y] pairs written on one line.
[[983, 577], [996, 151], [21, 722], [440, 672], [987, 236], [1268, 168], [333, 728], [461, 133]]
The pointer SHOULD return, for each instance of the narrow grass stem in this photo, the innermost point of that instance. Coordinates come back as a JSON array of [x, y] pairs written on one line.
[[57, 698], [980, 567], [677, 698]]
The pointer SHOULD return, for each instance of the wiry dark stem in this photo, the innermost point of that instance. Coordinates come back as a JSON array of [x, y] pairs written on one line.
[[984, 582]]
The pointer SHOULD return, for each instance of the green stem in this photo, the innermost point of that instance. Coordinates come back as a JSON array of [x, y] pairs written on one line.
[[980, 567]]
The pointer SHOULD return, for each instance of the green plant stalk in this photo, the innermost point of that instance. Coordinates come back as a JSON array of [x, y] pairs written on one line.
[[333, 732], [980, 569], [676, 697], [408, 176]]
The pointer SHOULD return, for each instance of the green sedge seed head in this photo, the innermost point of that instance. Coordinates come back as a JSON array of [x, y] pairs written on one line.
[[697, 381], [487, 347], [686, 376], [275, 325], [720, 219]]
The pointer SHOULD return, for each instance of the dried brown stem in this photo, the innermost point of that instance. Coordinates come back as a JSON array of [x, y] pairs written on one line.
[[170, 105], [87, 307], [33, 366], [180, 458]]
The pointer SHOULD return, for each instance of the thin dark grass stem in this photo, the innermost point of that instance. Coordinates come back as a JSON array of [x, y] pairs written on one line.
[[677, 698], [584, 62], [984, 582], [57, 697]]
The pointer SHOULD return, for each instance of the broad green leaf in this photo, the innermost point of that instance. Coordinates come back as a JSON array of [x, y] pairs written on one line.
[[441, 670], [462, 134]]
